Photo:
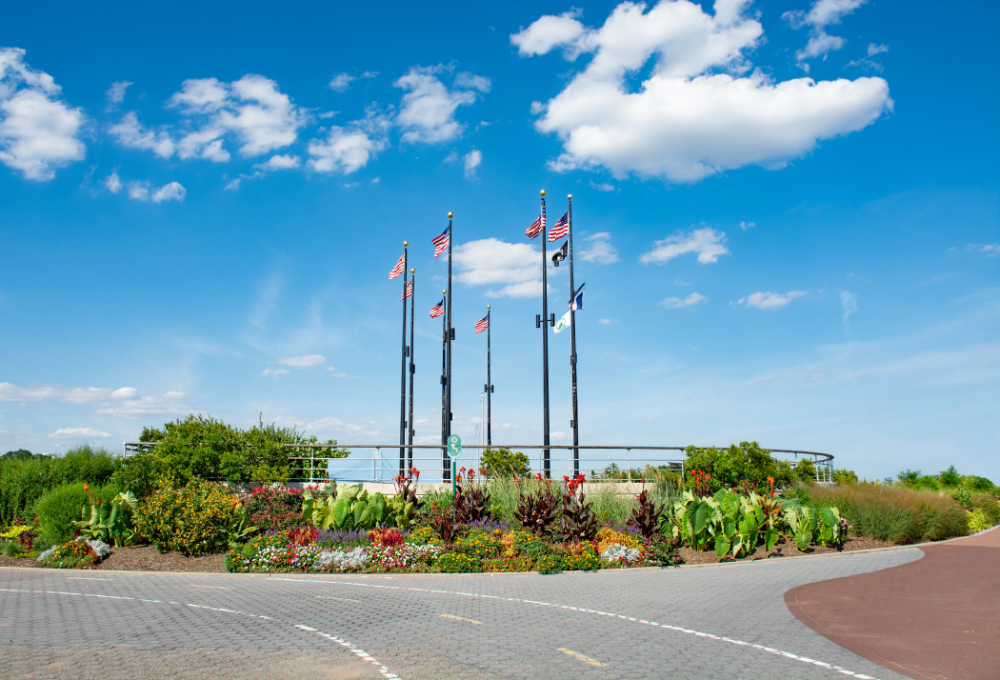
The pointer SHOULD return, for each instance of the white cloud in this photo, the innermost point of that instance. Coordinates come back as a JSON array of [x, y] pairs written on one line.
[[548, 32], [279, 162], [518, 290], [71, 395], [274, 372], [124, 393], [679, 303], [143, 191], [816, 376], [708, 243], [341, 82], [695, 115], [874, 49], [38, 131], [604, 186], [251, 109], [146, 406], [472, 161], [427, 110], [600, 251], [348, 149], [762, 300], [868, 62], [118, 402], [133, 135], [652, 418], [174, 394], [112, 182], [849, 303], [491, 261], [990, 249], [78, 432], [747, 225], [116, 93], [304, 361], [822, 14], [605, 322]]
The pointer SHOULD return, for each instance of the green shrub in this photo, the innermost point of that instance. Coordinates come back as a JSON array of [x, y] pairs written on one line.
[[549, 564], [845, 477], [192, 519], [23, 481], [747, 462], [10, 548], [480, 545], [504, 463], [989, 506], [977, 521], [459, 563], [58, 508], [891, 513]]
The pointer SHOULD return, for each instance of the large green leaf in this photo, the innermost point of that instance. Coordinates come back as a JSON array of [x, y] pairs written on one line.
[[702, 513], [340, 513], [771, 537], [721, 545]]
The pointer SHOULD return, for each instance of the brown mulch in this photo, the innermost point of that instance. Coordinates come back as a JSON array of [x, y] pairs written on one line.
[[782, 549], [142, 558]]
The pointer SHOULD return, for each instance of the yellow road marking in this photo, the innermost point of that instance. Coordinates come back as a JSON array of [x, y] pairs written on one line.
[[342, 599], [85, 578], [192, 585], [581, 657], [459, 618]]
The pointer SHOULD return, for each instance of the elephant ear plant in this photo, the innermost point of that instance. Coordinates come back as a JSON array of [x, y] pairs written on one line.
[[807, 525], [107, 521], [352, 509]]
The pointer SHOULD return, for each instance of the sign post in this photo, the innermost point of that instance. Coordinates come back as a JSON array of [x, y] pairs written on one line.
[[454, 451]]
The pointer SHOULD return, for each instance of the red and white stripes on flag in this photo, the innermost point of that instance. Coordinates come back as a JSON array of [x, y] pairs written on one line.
[[409, 291], [437, 310], [536, 228], [483, 324], [399, 268], [441, 242], [559, 229]]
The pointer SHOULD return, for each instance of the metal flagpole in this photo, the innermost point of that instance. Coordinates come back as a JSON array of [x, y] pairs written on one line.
[[449, 337], [402, 389], [489, 381], [575, 423], [545, 321], [413, 368], [444, 390]]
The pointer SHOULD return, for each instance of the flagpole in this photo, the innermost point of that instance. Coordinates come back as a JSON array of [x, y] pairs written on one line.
[[547, 464], [572, 343], [402, 389], [444, 390], [449, 337], [413, 368], [489, 382]]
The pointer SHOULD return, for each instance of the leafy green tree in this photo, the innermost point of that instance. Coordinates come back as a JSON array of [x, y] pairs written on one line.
[[20, 454], [504, 463]]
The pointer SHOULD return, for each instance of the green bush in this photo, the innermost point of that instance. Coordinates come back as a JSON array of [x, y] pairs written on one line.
[[747, 462], [505, 463], [459, 563], [845, 477], [24, 480], [58, 508], [549, 564], [988, 505], [192, 519]]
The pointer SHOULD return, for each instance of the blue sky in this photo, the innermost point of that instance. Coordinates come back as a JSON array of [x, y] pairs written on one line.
[[786, 215]]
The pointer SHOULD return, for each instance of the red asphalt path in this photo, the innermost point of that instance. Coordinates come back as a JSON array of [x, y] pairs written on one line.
[[937, 618]]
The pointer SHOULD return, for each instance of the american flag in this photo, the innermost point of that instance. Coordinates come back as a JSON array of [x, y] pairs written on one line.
[[536, 228], [399, 268], [441, 242], [483, 323], [438, 309], [409, 291], [559, 229]]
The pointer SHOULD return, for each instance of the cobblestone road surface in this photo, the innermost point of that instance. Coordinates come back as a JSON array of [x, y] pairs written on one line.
[[725, 621]]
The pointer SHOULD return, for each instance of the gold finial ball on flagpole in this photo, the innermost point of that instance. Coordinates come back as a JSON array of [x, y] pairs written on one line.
[[569, 197], [444, 292], [413, 270], [406, 244], [487, 306], [543, 193], [450, 214]]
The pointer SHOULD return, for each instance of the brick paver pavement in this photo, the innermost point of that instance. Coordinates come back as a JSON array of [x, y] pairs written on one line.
[[724, 621]]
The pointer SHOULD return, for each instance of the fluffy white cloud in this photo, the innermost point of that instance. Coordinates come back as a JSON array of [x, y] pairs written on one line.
[[822, 14], [279, 162], [274, 372], [708, 243], [71, 395], [146, 406], [348, 149], [849, 304], [604, 186], [472, 161], [116, 93], [113, 182], [491, 261], [548, 32], [124, 393], [304, 361], [78, 433], [132, 134], [427, 110], [679, 303], [108, 401], [762, 300], [747, 225], [600, 249], [341, 82], [687, 120], [519, 290], [38, 131], [143, 191]]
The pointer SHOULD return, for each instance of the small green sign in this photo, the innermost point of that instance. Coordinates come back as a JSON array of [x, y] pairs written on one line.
[[454, 446]]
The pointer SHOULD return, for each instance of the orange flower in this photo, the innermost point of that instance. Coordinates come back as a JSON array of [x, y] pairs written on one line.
[[85, 487]]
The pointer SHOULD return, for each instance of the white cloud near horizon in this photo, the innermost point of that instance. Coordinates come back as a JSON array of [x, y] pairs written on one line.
[[427, 110], [707, 242], [304, 361], [702, 110], [762, 300], [78, 432], [122, 401], [823, 13], [680, 303], [39, 132]]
